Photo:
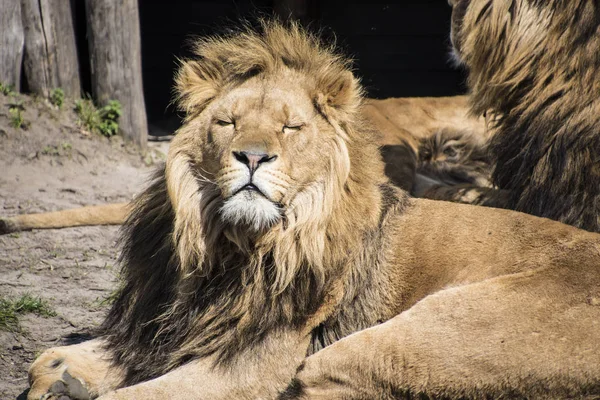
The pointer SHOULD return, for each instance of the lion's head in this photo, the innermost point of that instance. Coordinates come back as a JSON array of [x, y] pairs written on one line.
[[533, 65], [452, 157], [269, 186], [268, 143]]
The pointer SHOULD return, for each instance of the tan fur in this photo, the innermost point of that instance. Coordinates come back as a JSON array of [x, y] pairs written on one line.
[[484, 303], [106, 214], [414, 118]]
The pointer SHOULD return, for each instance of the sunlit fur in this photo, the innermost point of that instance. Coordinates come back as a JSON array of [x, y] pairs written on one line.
[[535, 66], [208, 271]]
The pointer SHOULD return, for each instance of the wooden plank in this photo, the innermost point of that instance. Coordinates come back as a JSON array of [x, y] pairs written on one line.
[[58, 23], [50, 58], [116, 62], [11, 43]]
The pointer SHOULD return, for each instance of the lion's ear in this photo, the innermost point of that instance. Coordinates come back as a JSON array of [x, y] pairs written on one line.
[[197, 83], [339, 93]]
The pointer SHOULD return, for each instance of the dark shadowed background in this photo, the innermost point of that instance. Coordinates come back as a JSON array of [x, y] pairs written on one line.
[[400, 49]]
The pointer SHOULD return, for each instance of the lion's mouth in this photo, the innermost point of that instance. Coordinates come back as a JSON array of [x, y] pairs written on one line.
[[249, 187]]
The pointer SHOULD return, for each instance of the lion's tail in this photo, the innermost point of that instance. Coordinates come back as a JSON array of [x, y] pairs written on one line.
[[106, 214]]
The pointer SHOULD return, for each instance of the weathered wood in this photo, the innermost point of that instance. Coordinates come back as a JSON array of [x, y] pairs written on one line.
[[116, 62], [11, 43], [50, 51]]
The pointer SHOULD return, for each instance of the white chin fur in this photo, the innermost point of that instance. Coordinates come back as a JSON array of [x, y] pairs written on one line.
[[250, 208]]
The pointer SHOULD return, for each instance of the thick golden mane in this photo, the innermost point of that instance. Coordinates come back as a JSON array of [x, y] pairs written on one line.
[[225, 60], [535, 65], [214, 288]]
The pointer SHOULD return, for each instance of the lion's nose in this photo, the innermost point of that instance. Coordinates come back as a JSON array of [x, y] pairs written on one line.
[[253, 160]]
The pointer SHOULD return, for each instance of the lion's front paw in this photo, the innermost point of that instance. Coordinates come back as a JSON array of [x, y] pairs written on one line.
[[68, 388], [80, 371]]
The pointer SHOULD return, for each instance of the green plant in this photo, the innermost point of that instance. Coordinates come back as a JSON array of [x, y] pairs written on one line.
[[16, 115], [10, 309], [7, 90], [104, 121], [87, 114], [57, 97], [50, 151], [109, 114], [64, 149], [110, 298], [16, 118]]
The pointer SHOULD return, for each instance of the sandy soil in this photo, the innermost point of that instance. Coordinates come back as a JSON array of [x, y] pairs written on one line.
[[50, 166]]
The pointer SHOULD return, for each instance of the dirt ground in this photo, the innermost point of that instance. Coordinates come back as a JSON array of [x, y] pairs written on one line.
[[54, 165]]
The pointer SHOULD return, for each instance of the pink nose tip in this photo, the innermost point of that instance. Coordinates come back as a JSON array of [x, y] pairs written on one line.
[[253, 160]]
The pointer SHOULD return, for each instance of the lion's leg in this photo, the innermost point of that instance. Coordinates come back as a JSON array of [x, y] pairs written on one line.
[[467, 194], [257, 373], [530, 335], [78, 371]]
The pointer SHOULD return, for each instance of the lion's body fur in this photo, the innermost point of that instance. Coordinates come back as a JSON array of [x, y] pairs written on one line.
[[214, 308], [535, 65]]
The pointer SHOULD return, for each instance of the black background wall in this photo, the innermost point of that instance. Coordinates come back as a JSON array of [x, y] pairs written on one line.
[[400, 48]]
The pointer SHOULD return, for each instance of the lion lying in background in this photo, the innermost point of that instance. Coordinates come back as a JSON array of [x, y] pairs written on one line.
[[268, 254]]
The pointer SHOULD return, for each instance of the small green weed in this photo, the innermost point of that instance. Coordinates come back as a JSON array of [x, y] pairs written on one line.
[[64, 149], [104, 121], [16, 118], [16, 115], [10, 309], [7, 90], [88, 116], [57, 97], [110, 298], [50, 151], [109, 114]]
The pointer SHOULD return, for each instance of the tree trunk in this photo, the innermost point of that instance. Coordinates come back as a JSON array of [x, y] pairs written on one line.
[[116, 62], [11, 43], [50, 50]]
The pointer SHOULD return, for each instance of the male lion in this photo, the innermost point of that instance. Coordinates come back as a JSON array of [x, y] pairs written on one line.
[[272, 234], [535, 66]]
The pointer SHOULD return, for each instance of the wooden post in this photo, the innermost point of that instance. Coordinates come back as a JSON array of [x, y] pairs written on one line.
[[11, 43], [50, 50], [116, 62]]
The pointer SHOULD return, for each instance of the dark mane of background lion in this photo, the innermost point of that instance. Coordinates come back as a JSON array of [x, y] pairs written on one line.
[[180, 303], [535, 65]]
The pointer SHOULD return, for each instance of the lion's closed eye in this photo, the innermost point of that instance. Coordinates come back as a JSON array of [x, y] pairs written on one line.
[[225, 122], [291, 128]]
